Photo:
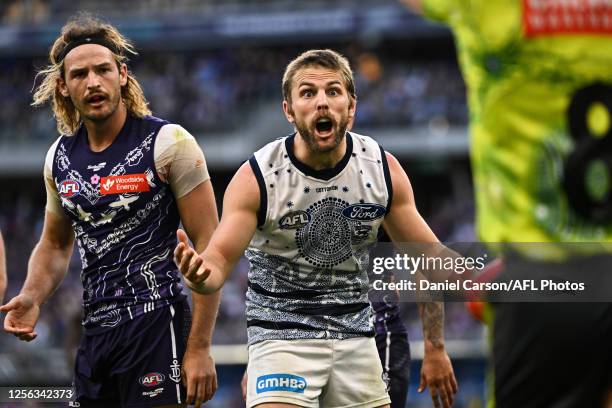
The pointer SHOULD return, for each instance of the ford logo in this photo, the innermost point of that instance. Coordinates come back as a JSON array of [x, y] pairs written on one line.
[[364, 212]]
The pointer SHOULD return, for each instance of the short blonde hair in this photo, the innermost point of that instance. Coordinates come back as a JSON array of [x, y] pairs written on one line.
[[319, 58], [83, 25]]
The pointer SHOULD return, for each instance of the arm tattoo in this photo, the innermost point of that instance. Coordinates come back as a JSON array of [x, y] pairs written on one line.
[[432, 315]]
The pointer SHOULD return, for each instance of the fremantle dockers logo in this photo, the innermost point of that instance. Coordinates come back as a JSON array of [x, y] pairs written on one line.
[[326, 240]]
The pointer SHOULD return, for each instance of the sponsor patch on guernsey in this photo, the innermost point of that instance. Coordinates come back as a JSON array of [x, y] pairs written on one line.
[[154, 393], [364, 212], [281, 382], [124, 184]]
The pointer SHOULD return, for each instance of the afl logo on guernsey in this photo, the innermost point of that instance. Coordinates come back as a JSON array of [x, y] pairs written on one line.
[[294, 220], [364, 212], [69, 188]]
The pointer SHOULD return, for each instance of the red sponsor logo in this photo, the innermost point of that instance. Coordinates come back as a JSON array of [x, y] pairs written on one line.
[[152, 379], [69, 188], [127, 183], [550, 17]]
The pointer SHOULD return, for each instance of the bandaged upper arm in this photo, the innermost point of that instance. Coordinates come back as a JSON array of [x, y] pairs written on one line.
[[54, 204], [179, 160]]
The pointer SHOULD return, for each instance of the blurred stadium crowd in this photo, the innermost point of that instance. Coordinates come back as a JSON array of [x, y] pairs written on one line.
[[212, 90], [37, 11]]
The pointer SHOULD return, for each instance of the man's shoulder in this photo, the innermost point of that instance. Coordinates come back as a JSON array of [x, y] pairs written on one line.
[[49, 157], [147, 124], [274, 147], [362, 138], [154, 120], [279, 141], [366, 146], [172, 133]]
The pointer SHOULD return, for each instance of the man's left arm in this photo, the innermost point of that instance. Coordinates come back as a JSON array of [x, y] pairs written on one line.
[[180, 162], [199, 217], [403, 223]]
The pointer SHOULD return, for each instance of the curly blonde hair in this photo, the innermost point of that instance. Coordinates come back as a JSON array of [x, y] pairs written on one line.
[[66, 115]]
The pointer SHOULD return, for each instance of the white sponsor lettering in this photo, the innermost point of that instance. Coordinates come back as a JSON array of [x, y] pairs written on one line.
[[153, 393], [364, 213], [283, 382], [97, 167]]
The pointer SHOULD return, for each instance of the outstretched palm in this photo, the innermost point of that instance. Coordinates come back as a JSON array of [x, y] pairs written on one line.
[[22, 315]]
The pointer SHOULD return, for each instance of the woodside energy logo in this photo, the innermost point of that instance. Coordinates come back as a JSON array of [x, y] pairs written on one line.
[[125, 184]]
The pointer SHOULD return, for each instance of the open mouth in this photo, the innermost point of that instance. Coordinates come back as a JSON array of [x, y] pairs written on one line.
[[324, 125], [95, 99]]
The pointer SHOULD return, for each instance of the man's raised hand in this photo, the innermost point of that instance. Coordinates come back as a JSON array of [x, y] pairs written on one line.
[[190, 263]]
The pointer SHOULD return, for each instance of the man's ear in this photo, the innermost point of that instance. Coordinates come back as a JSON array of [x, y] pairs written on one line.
[[62, 87], [123, 74], [352, 109], [288, 111]]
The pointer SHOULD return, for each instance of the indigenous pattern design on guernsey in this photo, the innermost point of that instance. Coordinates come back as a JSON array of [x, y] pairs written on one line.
[[310, 253], [124, 217]]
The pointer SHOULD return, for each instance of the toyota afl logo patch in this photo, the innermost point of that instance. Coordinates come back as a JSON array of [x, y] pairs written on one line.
[[69, 188]]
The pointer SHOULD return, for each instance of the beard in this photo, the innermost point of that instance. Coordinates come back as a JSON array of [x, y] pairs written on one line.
[[307, 131]]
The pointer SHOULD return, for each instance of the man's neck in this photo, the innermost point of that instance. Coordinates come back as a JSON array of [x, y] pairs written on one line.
[[102, 134], [316, 160]]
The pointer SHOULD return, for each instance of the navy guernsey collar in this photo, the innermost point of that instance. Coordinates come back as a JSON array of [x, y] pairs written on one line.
[[324, 174]]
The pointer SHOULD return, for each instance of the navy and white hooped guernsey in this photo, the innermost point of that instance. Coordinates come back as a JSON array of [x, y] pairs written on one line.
[[310, 253], [125, 219]]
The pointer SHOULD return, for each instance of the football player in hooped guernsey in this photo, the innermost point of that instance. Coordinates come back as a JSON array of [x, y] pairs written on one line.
[[120, 181], [307, 207]]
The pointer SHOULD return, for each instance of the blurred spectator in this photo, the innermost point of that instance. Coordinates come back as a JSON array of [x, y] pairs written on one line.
[[25, 11]]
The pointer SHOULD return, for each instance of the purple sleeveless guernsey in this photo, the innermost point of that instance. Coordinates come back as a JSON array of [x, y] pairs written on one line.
[[125, 218]]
